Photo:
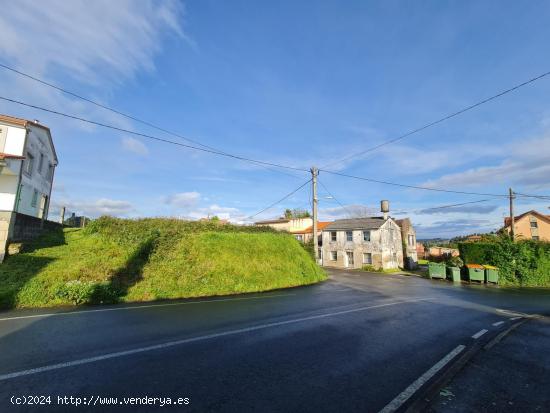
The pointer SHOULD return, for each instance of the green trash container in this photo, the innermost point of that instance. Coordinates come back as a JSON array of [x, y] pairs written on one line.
[[453, 274], [475, 272], [436, 270], [491, 274]]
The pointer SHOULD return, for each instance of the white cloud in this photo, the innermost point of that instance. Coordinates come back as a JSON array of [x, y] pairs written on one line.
[[91, 208], [88, 40], [183, 200], [134, 146], [527, 164]]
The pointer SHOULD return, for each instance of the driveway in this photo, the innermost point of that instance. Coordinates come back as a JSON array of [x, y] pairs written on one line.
[[358, 342]]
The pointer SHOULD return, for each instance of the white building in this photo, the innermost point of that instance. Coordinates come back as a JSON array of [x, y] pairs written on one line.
[[27, 165]]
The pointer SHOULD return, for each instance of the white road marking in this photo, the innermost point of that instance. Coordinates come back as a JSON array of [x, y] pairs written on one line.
[[139, 307], [191, 340], [479, 334], [498, 323], [515, 318], [413, 388]]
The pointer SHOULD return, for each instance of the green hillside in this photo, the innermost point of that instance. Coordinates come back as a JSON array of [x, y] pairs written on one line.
[[115, 260]]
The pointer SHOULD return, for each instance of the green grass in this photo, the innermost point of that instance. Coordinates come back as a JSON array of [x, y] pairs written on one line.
[[117, 260]]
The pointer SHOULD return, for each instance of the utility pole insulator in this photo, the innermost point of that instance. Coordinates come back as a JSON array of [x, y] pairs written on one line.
[[314, 173]]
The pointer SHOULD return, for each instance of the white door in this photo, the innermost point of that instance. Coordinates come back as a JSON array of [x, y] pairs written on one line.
[[349, 259]]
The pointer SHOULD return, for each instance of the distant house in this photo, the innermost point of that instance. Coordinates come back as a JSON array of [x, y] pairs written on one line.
[[473, 238], [287, 224], [420, 250], [443, 252], [27, 165], [306, 235], [408, 234], [354, 243], [530, 225]]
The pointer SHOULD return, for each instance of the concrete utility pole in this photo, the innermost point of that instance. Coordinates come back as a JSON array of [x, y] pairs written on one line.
[[62, 215], [314, 173], [512, 218]]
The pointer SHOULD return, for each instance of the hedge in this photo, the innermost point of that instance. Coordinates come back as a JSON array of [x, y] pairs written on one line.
[[525, 263]]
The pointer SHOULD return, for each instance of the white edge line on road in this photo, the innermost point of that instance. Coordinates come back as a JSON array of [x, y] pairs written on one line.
[[515, 318], [192, 340], [498, 323], [479, 334], [139, 307], [419, 382]]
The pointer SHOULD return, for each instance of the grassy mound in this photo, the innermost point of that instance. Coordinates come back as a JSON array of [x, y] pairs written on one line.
[[115, 260]]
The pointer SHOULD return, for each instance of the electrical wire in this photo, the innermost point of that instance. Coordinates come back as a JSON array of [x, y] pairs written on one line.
[[336, 199], [131, 117], [411, 186], [156, 138], [279, 201], [443, 119]]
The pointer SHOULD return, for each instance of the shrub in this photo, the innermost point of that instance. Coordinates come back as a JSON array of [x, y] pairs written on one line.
[[76, 291], [525, 262], [455, 262], [371, 268]]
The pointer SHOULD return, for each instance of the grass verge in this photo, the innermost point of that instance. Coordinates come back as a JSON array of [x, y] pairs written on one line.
[[116, 260]]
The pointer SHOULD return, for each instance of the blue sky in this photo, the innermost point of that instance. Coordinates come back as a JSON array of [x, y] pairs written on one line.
[[299, 83]]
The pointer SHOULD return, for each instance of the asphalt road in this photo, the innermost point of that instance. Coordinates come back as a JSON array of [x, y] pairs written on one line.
[[353, 343]]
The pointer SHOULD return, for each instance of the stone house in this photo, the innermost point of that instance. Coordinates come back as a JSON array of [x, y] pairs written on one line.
[[354, 243], [408, 235]]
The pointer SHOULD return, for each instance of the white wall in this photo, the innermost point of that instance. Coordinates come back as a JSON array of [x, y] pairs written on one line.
[[15, 141], [8, 189], [39, 180]]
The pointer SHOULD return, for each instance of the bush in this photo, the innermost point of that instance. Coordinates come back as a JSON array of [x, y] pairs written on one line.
[[370, 268], [455, 262], [525, 262]]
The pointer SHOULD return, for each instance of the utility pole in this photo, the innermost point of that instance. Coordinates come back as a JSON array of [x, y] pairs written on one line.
[[314, 173], [62, 215], [512, 218]]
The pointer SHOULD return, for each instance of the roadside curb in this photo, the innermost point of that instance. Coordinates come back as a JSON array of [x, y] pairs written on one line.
[[422, 399]]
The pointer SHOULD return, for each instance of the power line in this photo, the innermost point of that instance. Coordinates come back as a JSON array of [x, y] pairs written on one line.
[[118, 112], [544, 197], [156, 138], [336, 199], [443, 119], [456, 205], [280, 200], [411, 186]]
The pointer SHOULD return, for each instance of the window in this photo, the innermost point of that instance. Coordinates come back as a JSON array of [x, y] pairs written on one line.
[[535, 237], [40, 163], [411, 239], [34, 198], [349, 235], [366, 235], [29, 164], [394, 258], [534, 224], [334, 255], [333, 235], [299, 237], [367, 258]]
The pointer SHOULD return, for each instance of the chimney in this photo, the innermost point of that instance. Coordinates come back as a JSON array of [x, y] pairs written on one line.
[[385, 208]]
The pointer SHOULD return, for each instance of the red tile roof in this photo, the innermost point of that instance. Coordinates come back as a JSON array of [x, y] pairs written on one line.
[[9, 156], [309, 230], [507, 220]]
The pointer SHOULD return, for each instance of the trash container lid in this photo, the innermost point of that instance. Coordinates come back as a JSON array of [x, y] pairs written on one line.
[[474, 266], [489, 267]]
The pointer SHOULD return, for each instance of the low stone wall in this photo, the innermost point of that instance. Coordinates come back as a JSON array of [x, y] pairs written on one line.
[[26, 227]]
